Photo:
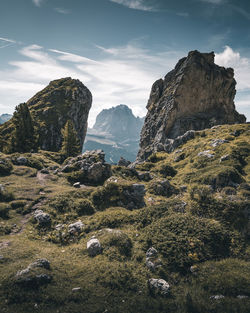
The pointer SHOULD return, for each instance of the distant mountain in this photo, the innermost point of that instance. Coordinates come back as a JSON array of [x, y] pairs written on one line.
[[117, 132], [4, 118]]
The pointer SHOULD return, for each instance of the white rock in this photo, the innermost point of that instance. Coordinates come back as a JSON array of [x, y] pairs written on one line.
[[94, 247]]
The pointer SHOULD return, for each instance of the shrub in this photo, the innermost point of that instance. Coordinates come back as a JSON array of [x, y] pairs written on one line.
[[5, 195], [167, 170], [4, 210], [5, 167], [18, 204], [184, 239], [83, 207], [119, 240]]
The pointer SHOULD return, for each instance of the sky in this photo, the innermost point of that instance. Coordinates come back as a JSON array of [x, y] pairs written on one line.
[[117, 48]]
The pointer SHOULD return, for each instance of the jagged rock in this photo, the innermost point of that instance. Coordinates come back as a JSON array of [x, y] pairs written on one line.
[[123, 162], [135, 196], [217, 297], [158, 286], [91, 165], [43, 219], [152, 260], [207, 153], [76, 227], [21, 161], [197, 94], [218, 142], [161, 188], [94, 247], [224, 158], [146, 176], [61, 100]]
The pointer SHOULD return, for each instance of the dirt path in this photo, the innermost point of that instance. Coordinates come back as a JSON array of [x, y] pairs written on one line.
[[41, 178]]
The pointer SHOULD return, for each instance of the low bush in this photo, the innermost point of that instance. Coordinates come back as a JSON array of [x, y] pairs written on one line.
[[5, 166], [4, 210]]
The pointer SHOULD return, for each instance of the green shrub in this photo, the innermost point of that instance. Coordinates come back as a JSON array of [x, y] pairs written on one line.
[[5, 166], [167, 170], [83, 207], [18, 204], [117, 239], [184, 239], [5, 195], [4, 210]]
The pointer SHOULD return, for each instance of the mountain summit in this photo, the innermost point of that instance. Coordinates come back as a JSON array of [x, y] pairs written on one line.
[[117, 132], [197, 94]]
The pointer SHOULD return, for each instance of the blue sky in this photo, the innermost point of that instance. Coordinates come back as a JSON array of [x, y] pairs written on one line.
[[117, 48]]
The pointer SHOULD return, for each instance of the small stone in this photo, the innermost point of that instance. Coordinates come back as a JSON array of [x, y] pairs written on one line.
[[194, 269], [146, 176], [76, 289], [242, 297], [152, 252], [76, 227], [224, 158], [42, 218], [206, 153], [77, 185], [158, 286], [218, 142], [44, 263], [94, 247], [21, 161], [217, 297]]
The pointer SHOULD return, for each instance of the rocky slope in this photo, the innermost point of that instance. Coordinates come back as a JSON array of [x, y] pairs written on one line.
[[197, 94], [169, 235], [4, 118], [117, 132], [61, 100]]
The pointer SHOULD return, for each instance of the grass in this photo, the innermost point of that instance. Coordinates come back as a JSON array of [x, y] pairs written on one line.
[[203, 224]]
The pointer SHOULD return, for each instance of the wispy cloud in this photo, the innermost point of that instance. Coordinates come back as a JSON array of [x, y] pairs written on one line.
[[241, 11], [6, 42], [135, 4], [214, 1], [37, 2], [183, 14], [62, 11], [119, 75]]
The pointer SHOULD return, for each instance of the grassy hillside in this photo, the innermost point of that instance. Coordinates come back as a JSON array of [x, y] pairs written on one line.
[[196, 215]]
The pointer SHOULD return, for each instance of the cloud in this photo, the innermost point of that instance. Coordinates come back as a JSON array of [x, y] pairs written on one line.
[[214, 1], [6, 42], [241, 66], [135, 4], [119, 75], [37, 2], [62, 11], [183, 14]]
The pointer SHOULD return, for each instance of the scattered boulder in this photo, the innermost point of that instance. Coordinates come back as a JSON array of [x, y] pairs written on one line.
[[152, 260], [76, 227], [89, 167], [21, 161], [145, 176], [123, 162], [207, 153], [135, 196], [77, 185], [161, 188], [94, 247], [43, 219], [218, 142], [217, 297], [76, 289], [158, 286], [224, 158]]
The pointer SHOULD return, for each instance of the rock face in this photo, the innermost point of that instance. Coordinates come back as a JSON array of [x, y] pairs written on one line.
[[60, 101], [197, 94], [116, 132]]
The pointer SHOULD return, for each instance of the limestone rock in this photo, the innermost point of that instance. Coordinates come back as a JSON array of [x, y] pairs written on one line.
[[61, 100], [43, 219], [197, 94], [123, 162], [91, 165], [158, 286], [76, 227], [94, 247]]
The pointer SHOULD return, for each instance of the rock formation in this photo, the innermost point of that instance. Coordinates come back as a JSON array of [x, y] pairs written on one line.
[[197, 94], [61, 100], [116, 132]]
